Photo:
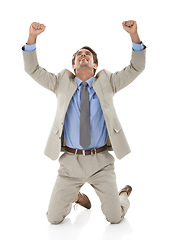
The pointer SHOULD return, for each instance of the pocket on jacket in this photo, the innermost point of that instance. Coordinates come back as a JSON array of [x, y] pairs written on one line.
[[117, 129]]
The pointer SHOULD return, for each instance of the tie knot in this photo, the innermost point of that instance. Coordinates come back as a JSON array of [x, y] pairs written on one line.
[[84, 84]]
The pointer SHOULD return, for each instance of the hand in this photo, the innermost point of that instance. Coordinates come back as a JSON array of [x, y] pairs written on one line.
[[36, 29], [130, 26]]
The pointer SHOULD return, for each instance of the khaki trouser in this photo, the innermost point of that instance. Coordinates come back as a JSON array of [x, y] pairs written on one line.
[[98, 171]]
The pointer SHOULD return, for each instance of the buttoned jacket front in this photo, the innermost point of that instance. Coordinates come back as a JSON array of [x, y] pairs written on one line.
[[105, 84]]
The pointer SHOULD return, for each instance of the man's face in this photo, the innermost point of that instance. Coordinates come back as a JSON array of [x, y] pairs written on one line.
[[84, 58]]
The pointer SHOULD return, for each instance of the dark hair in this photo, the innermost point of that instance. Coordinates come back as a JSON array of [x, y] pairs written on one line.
[[92, 51]]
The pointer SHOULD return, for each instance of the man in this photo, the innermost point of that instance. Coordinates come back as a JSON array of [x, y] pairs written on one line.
[[86, 126]]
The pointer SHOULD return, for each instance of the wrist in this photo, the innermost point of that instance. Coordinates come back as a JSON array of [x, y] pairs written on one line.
[[135, 38], [31, 39]]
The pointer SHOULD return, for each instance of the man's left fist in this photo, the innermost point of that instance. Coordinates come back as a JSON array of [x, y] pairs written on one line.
[[130, 26]]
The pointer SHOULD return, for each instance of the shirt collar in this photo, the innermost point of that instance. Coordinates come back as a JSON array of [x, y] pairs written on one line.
[[89, 81]]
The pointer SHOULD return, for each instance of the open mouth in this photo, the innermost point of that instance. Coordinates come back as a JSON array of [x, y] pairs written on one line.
[[83, 60]]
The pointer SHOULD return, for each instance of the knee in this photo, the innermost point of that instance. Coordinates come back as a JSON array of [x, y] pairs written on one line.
[[114, 220], [54, 220]]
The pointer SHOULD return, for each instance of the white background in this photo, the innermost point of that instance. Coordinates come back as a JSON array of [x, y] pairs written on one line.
[[27, 111]]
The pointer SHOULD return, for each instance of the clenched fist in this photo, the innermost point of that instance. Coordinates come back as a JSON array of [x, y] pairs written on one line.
[[34, 31], [36, 28], [130, 26]]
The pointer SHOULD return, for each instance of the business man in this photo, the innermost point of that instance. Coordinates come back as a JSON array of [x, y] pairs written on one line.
[[86, 126]]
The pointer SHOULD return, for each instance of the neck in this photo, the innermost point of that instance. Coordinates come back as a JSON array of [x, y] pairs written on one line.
[[84, 74]]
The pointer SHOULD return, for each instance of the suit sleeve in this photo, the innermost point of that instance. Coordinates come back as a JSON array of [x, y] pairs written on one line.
[[124, 77], [39, 74]]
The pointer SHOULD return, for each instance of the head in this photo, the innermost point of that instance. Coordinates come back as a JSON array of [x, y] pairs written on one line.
[[85, 57]]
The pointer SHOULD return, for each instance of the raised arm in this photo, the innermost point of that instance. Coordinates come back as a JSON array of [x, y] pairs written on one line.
[[124, 77], [31, 65]]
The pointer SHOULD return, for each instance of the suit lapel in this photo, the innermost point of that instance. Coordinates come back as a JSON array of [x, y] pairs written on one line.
[[97, 81], [69, 89]]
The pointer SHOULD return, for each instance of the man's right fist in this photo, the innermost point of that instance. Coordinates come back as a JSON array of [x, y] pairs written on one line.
[[36, 29]]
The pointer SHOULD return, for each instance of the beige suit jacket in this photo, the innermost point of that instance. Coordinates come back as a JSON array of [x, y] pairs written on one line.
[[105, 84]]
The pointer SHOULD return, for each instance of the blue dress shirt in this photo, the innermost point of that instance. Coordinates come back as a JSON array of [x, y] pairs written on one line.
[[72, 118]]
